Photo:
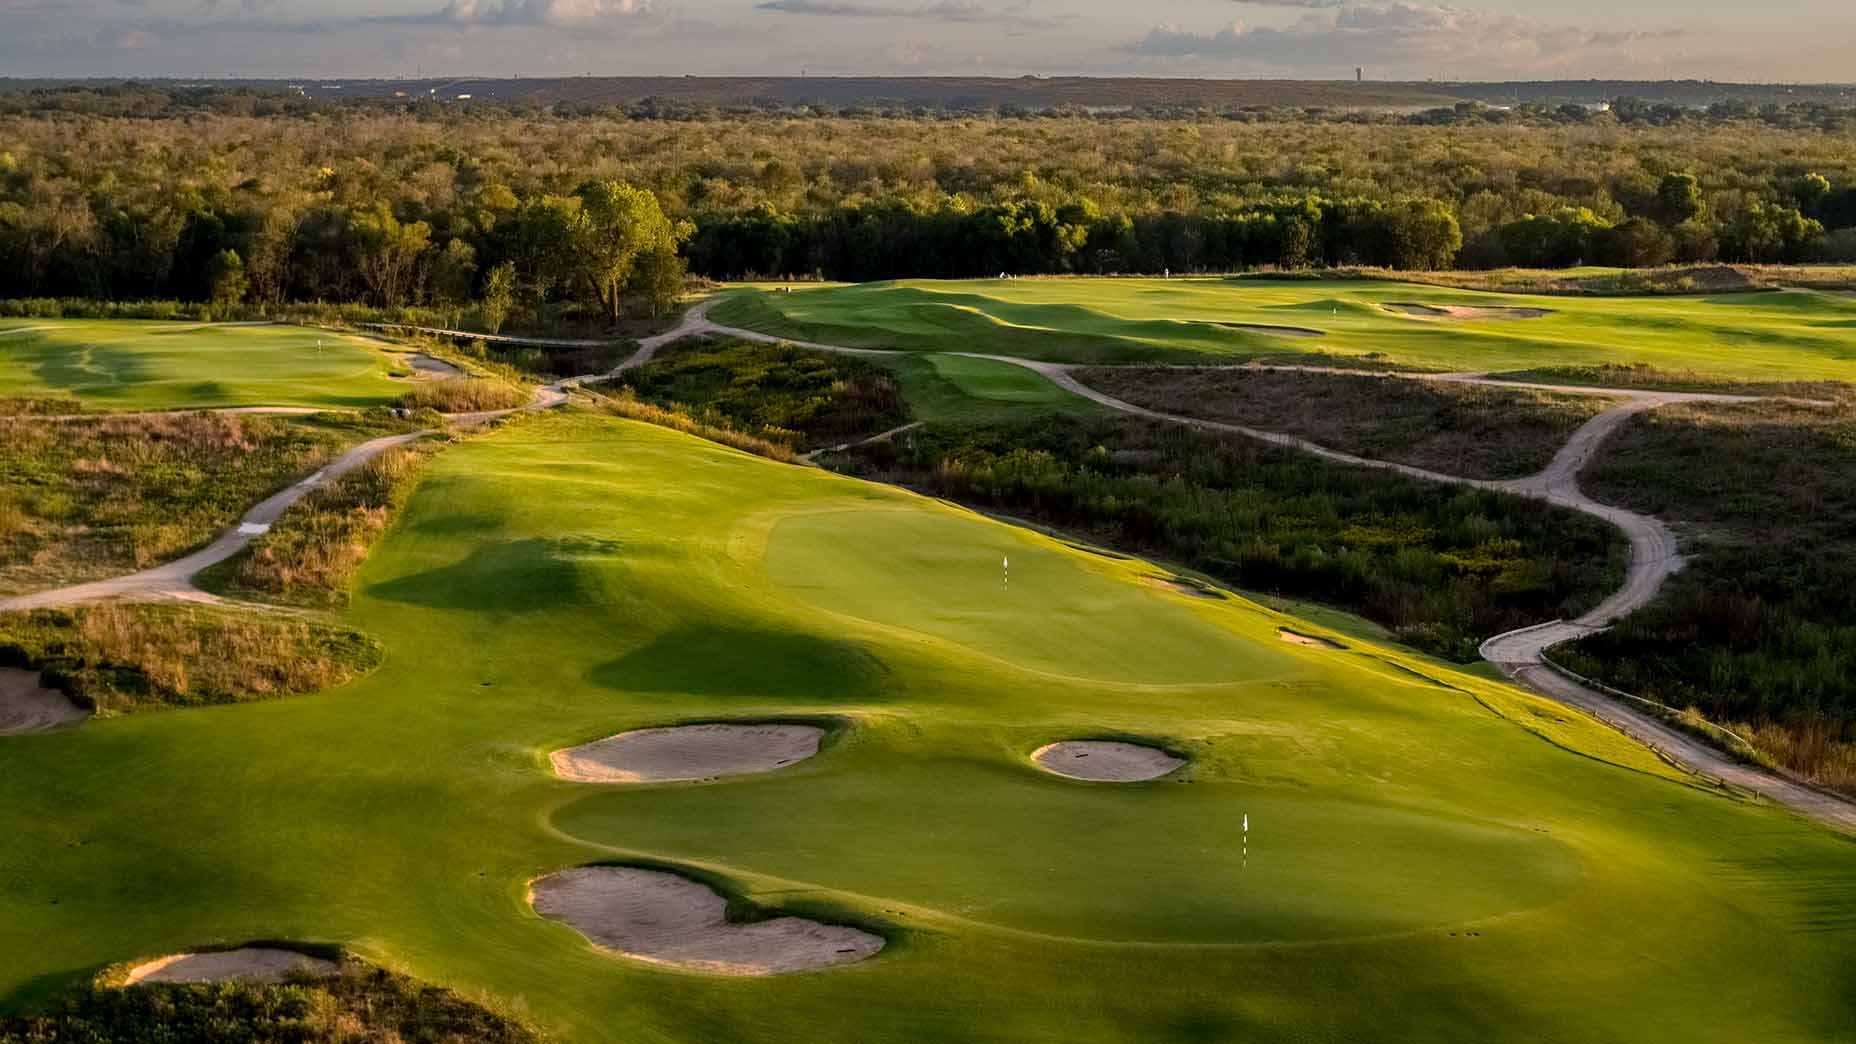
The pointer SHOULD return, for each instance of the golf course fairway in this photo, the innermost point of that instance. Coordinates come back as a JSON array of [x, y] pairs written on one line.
[[1767, 336], [1430, 856], [130, 364]]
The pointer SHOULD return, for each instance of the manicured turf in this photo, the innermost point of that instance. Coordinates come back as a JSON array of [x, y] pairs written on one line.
[[1431, 856], [943, 387], [125, 364], [1781, 335]]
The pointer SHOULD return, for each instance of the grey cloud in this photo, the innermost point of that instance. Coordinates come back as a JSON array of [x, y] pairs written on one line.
[[549, 13], [941, 11], [1397, 34]]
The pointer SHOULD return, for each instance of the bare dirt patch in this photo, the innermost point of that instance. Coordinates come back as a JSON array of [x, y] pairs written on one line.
[[651, 915], [1427, 311], [1105, 761], [27, 706], [1309, 640], [247, 964], [687, 752]]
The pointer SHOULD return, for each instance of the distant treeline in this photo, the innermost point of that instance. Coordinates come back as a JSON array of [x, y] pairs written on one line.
[[399, 209]]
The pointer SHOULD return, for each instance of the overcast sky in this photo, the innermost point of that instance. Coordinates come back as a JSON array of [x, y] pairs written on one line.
[[1785, 40]]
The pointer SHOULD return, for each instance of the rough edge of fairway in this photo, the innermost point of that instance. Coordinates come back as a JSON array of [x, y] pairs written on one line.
[[665, 918], [687, 753], [1108, 761], [257, 963], [27, 706]]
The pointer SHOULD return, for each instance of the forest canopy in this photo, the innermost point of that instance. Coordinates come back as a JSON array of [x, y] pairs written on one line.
[[428, 205]]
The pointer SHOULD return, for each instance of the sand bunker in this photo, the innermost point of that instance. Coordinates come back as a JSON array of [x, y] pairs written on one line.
[[1186, 587], [660, 917], [27, 706], [1104, 761], [249, 964], [687, 752], [1309, 640], [1425, 311], [426, 367]]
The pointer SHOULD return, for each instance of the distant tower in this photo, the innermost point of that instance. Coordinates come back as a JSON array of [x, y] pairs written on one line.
[[1359, 74]]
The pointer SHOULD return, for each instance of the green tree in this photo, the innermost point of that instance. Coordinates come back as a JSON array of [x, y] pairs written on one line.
[[1678, 198], [614, 226], [1424, 235], [386, 252], [658, 278], [453, 271], [499, 295], [226, 280]]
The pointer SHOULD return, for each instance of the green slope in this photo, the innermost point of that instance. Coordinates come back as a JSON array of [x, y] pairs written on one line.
[[1431, 856], [1779, 335], [120, 364]]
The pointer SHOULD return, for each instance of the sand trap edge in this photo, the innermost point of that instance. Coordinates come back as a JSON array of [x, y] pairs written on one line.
[[717, 904], [257, 962], [582, 763], [1309, 641], [29, 707], [1131, 760]]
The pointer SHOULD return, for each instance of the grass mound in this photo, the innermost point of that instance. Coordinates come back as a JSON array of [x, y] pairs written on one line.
[[362, 1005], [121, 659]]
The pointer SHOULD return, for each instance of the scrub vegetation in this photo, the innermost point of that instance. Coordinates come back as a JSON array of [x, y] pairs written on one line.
[[1443, 568], [119, 659], [310, 555], [80, 500], [1759, 632], [362, 1005], [779, 393], [1459, 429]]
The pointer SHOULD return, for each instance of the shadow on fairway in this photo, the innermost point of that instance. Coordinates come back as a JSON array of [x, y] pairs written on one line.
[[708, 660], [520, 576]]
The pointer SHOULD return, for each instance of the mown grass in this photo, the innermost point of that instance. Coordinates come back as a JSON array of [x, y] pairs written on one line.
[[1422, 864], [1444, 568], [465, 395], [361, 1005], [1758, 632], [1459, 429], [1648, 377], [119, 659], [85, 499], [778, 393], [1759, 337], [126, 364], [310, 555]]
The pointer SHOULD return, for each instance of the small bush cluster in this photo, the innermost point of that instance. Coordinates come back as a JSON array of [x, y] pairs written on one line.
[[778, 393]]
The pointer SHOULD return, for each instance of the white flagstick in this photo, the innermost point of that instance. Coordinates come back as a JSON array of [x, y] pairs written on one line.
[[1008, 570], [1246, 839]]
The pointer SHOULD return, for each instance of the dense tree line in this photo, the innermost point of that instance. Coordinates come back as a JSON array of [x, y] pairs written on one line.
[[522, 209]]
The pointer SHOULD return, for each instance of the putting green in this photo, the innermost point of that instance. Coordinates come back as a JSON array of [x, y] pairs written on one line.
[[1431, 855], [124, 364], [1779, 335]]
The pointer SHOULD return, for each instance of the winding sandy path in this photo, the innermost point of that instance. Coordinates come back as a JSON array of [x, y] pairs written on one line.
[[1521, 654], [173, 581]]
